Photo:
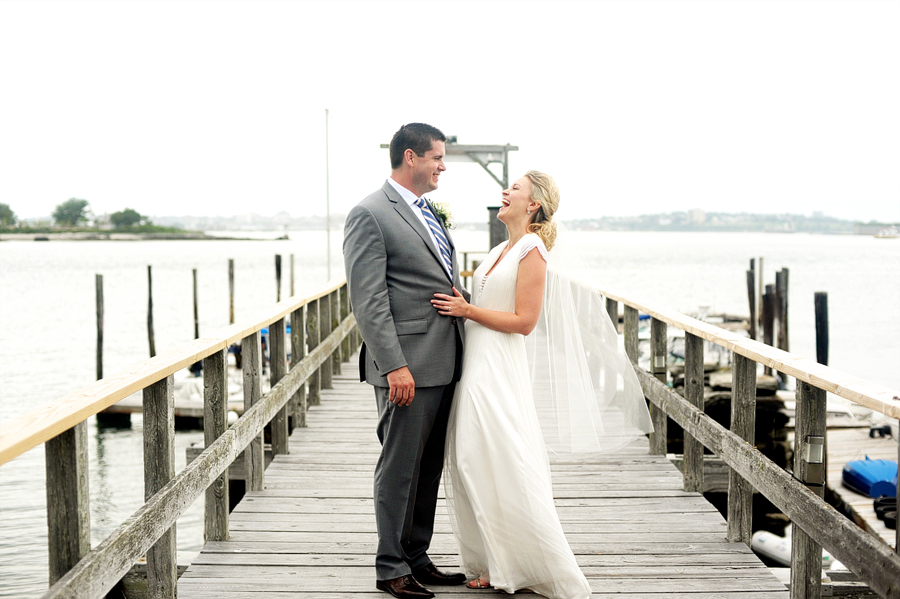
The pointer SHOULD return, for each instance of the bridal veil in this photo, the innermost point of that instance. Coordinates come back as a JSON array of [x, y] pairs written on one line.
[[586, 393]]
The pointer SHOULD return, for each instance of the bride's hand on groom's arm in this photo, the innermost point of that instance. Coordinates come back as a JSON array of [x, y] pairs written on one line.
[[451, 305], [403, 387]]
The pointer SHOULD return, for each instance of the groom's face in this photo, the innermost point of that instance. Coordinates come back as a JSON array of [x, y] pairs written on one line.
[[428, 168]]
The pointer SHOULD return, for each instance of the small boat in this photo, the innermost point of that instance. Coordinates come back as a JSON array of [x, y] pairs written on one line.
[[871, 478], [778, 549], [888, 233]]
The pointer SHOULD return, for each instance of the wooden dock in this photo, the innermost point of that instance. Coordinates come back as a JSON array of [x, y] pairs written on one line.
[[311, 533]]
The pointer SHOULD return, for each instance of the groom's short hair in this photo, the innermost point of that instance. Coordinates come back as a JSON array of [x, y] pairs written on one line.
[[417, 137]]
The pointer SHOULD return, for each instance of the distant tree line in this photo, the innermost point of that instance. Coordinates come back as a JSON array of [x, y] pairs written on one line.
[[75, 212]]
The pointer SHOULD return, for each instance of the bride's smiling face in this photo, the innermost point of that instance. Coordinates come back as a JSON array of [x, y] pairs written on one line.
[[517, 200]]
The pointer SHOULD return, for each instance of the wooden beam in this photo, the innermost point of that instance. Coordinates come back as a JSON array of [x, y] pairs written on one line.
[[278, 368], [326, 371], [631, 325], [298, 352], [693, 393], [215, 421], [743, 424], [68, 500], [313, 330], [251, 365], [658, 350], [806, 554], [159, 469]]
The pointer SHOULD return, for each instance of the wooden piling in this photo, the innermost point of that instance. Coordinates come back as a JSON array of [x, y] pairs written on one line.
[[768, 318], [196, 309], [231, 291], [98, 281], [821, 304], [759, 296], [151, 335], [783, 287], [292, 275], [277, 277], [159, 469], [779, 314], [751, 297], [809, 468]]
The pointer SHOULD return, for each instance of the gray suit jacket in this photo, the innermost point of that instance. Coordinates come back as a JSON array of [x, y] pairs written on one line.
[[393, 271]]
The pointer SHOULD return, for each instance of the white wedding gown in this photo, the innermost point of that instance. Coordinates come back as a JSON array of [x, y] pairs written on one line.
[[497, 479]]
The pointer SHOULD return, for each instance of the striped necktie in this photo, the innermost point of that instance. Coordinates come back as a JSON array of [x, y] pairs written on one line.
[[438, 231]]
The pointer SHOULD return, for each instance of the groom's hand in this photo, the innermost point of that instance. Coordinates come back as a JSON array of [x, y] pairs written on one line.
[[403, 387]]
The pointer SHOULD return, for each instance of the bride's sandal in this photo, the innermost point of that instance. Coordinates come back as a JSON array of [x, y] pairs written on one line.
[[479, 583]]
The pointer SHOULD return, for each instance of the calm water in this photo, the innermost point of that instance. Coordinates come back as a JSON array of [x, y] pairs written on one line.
[[47, 331]]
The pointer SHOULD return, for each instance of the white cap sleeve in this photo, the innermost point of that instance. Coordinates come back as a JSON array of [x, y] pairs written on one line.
[[528, 243]]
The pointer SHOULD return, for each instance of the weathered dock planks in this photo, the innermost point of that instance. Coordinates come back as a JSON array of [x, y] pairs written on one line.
[[311, 532]]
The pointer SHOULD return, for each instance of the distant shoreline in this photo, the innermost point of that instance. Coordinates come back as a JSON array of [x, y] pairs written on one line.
[[113, 236]]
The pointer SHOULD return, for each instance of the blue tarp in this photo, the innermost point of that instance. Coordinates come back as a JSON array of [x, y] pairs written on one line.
[[871, 477]]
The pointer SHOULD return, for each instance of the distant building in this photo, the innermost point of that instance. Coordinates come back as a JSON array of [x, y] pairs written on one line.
[[697, 216]]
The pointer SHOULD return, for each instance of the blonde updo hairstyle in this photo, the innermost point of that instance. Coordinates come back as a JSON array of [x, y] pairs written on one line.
[[545, 192]]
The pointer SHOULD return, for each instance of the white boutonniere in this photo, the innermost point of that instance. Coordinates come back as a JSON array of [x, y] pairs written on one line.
[[443, 213]]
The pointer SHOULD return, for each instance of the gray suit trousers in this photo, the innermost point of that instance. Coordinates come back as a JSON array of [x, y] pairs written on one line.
[[407, 477]]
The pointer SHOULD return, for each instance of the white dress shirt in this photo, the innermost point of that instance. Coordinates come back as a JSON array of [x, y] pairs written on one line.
[[410, 198]]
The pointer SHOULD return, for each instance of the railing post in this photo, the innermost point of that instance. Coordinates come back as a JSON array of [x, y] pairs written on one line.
[[809, 468], [215, 421], [335, 304], [693, 392], [278, 365], [159, 469], [251, 367], [345, 312], [68, 499], [659, 436], [632, 323], [612, 308], [312, 330], [298, 352], [327, 369], [743, 424]]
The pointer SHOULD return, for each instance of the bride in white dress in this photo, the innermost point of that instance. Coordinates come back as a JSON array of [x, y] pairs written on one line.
[[497, 478]]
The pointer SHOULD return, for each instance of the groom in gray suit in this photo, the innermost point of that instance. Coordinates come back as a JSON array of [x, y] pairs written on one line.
[[397, 255]]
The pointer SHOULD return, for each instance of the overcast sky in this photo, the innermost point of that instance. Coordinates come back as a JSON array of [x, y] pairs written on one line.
[[218, 107]]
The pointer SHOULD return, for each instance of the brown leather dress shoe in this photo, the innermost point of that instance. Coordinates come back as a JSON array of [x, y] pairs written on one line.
[[431, 575], [404, 587]]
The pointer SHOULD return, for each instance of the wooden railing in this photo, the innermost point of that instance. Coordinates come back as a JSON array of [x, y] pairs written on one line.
[[323, 334], [799, 495], [77, 571]]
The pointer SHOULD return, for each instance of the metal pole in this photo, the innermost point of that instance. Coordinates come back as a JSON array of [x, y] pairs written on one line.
[[327, 204]]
